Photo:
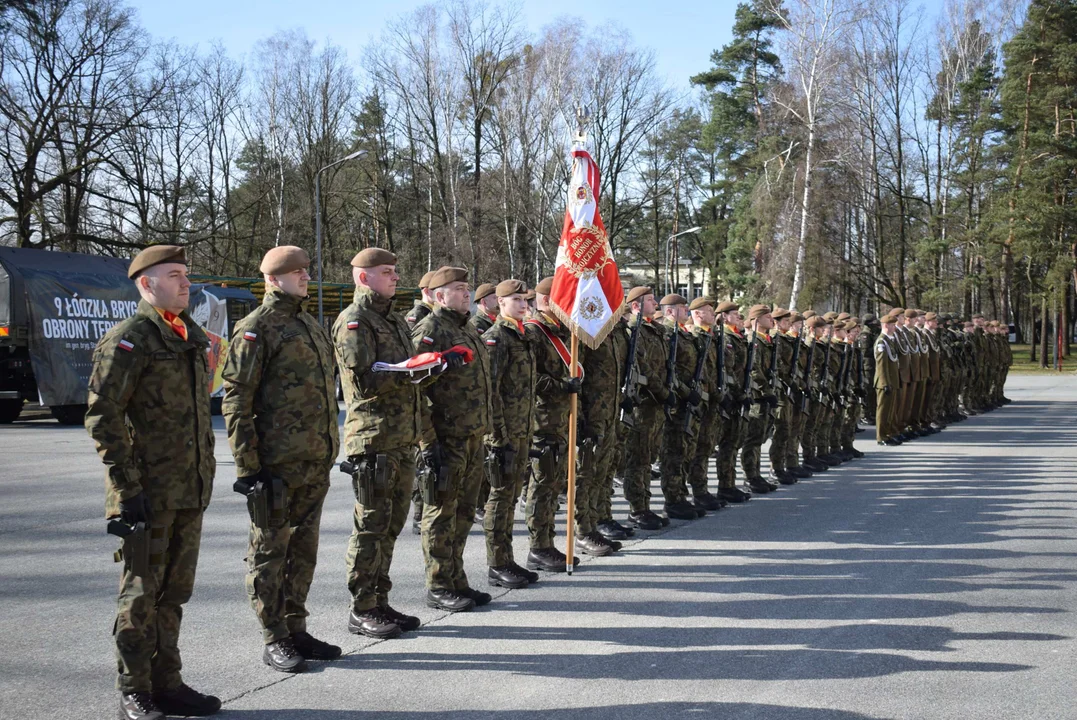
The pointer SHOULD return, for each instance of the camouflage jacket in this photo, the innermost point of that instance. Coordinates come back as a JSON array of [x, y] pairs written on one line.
[[417, 313], [735, 370], [552, 403], [482, 322], [152, 430], [385, 410], [280, 401], [512, 364], [685, 362], [866, 343], [460, 398], [788, 376], [652, 350], [604, 366], [764, 352], [708, 379]]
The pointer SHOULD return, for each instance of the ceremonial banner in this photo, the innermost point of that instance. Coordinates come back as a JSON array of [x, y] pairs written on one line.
[[587, 293]]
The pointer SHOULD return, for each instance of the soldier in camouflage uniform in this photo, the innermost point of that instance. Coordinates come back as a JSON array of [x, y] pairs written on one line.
[[678, 444], [709, 412], [731, 437], [853, 390], [553, 392], [512, 363], [453, 450], [148, 414], [763, 395], [486, 309], [870, 330], [422, 307], [816, 344], [785, 344], [643, 437], [280, 410], [609, 452]]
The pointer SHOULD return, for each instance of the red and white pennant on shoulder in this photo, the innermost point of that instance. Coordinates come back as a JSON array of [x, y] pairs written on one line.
[[587, 294]]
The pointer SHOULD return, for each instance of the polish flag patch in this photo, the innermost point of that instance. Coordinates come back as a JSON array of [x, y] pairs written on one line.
[[491, 342], [126, 345], [248, 335], [428, 340], [353, 325]]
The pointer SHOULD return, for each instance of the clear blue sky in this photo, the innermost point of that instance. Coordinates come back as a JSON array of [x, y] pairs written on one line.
[[682, 34]]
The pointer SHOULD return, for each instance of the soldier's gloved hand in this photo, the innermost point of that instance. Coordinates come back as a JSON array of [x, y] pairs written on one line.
[[500, 450], [453, 359], [694, 398], [572, 385], [771, 400], [747, 403], [887, 390], [135, 509], [671, 401], [245, 484], [433, 458], [587, 432], [627, 405]]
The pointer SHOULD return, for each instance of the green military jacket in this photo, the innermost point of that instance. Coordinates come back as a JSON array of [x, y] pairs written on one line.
[[737, 351], [418, 311], [788, 376], [600, 398], [708, 380], [384, 410], [685, 362], [460, 398], [866, 345], [482, 322], [651, 354], [764, 352], [887, 362], [279, 397], [148, 413], [512, 365], [552, 403]]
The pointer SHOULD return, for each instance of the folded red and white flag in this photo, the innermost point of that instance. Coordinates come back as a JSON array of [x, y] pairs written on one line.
[[420, 365]]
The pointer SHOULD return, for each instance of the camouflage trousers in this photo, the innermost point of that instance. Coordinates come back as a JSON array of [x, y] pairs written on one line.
[[730, 442], [678, 447], [809, 439], [783, 436], [149, 609], [375, 528], [706, 439], [594, 479], [837, 426], [642, 445], [796, 431], [852, 420], [614, 459], [501, 506], [870, 401], [549, 472], [754, 436], [447, 523], [281, 559]]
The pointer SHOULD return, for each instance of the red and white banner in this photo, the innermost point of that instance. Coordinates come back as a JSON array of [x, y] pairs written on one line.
[[587, 294]]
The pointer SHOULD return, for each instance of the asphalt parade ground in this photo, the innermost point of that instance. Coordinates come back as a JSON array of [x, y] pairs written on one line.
[[933, 580]]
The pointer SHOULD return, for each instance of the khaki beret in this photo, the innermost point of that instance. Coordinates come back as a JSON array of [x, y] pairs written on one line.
[[897, 311], [816, 322], [839, 324], [843, 316], [510, 287], [373, 257], [931, 316], [779, 313], [974, 316], [807, 314], [283, 260], [637, 293], [447, 274], [726, 306], [758, 311], [910, 314], [888, 318], [545, 286], [869, 319], [701, 302], [530, 294], [156, 255], [830, 316], [424, 281], [795, 317], [673, 299], [484, 290], [852, 323]]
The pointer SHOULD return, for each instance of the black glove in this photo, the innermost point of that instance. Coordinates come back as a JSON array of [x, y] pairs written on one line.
[[726, 403], [771, 400], [746, 403], [245, 484], [627, 405], [572, 385], [671, 401], [135, 509], [587, 432], [433, 458], [453, 360], [887, 390], [500, 450], [694, 398]]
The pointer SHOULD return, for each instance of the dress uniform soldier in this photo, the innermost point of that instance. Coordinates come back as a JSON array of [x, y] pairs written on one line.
[[280, 411], [678, 444], [763, 398], [731, 438], [486, 308], [643, 437], [709, 411], [512, 363], [887, 380], [423, 307], [148, 414], [461, 417], [905, 362], [553, 394], [599, 407], [385, 417]]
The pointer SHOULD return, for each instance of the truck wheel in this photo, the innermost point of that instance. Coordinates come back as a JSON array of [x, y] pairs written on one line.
[[10, 411], [69, 414]]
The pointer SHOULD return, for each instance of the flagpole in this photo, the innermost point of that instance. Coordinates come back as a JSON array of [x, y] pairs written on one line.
[[571, 492]]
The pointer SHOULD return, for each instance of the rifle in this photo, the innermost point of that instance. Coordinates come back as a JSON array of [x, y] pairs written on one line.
[[824, 391], [809, 381], [633, 380], [746, 388], [671, 375], [694, 410], [843, 373], [859, 372], [768, 422], [793, 369]]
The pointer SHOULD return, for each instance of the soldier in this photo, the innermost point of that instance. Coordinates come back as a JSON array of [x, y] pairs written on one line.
[[280, 411], [731, 437], [460, 408], [148, 414], [677, 442], [905, 363], [642, 443], [887, 381], [709, 412], [816, 345], [423, 307], [599, 408], [761, 390], [554, 390], [487, 309], [866, 345], [796, 397], [512, 363], [788, 358], [852, 390], [610, 452]]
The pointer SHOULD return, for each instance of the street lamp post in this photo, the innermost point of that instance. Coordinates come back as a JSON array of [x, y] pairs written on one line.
[[318, 220], [670, 260]]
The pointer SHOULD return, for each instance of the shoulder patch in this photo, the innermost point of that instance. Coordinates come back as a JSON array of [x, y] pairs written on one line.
[[353, 324], [126, 345], [428, 340], [491, 341], [250, 336]]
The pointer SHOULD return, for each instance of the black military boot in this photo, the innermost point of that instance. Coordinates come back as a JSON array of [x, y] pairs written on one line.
[[311, 648], [478, 597], [760, 486], [449, 601], [816, 465], [531, 577], [283, 657], [504, 576], [856, 453], [186, 702], [407, 623], [373, 623], [782, 477], [801, 472], [545, 559], [707, 501], [564, 558], [734, 495], [680, 510], [596, 536], [593, 544], [611, 530], [645, 520], [139, 706]]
